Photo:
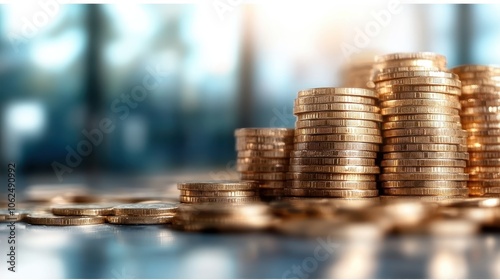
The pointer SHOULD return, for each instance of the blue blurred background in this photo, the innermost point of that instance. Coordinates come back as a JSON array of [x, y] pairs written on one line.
[[66, 68]]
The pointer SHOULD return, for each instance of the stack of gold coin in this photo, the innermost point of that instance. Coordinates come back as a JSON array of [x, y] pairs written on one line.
[[143, 213], [480, 116], [263, 156], [218, 192], [425, 150], [337, 138]]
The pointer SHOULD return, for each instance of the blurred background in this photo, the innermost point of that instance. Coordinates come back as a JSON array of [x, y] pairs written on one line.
[[171, 82]]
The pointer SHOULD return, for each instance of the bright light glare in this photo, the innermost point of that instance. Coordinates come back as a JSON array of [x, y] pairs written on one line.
[[25, 118], [57, 53]]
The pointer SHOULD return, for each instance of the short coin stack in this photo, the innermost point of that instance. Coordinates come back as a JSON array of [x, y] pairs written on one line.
[[425, 150], [337, 138], [263, 156], [218, 192], [480, 116]]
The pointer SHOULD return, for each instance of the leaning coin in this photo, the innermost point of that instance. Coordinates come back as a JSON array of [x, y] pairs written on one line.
[[52, 220], [152, 209], [139, 220], [83, 210]]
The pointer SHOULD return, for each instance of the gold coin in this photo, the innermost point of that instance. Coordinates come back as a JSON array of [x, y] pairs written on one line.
[[492, 190], [335, 169], [263, 161], [262, 168], [339, 138], [139, 220], [331, 193], [423, 162], [471, 102], [264, 154], [339, 185], [424, 184], [408, 110], [426, 139], [420, 81], [333, 153], [421, 117], [218, 193], [425, 131], [424, 148], [472, 111], [411, 62], [427, 191], [443, 198], [472, 76], [330, 177], [480, 91], [483, 155], [259, 146], [336, 123], [338, 91], [484, 140], [485, 162], [322, 99], [83, 210], [201, 199], [151, 209], [263, 176], [478, 147], [218, 186], [411, 74], [482, 82], [424, 177], [483, 169], [272, 184], [340, 115], [337, 130], [426, 155], [421, 102], [426, 169], [52, 220], [488, 132], [406, 69], [333, 161], [484, 176], [481, 126], [481, 118], [418, 95], [484, 184], [419, 88], [411, 55], [337, 146], [420, 124], [263, 132], [265, 140], [298, 109], [272, 192], [463, 69]]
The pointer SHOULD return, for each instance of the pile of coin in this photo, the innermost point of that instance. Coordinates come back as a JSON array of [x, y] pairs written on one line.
[[480, 116], [424, 151], [263, 156], [218, 192], [337, 138]]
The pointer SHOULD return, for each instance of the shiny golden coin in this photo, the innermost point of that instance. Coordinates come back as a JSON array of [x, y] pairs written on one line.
[[423, 162], [52, 220], [421, 102], [263, 176], [337, 130], [484, 155], [485, 162], [338, 91], [339, 185], [333, 154], [322, 99], [478, 147], [272, 184], [483, 169], [335, 169], [481, 82], [484, 140], [259, 146], [262, 168], [424, 148], [483, 184], [420, 124], [471, 102], [481, 118], [152, 209], [419, 95], [411, 62], [340, 115], [419, 88], [264, 154], [139, 220], [424, 177], [481, 126], [426, 155], [298, 109], [201, 199], [265, 140], [492, 190], [264, 161], [218, 193], [331, 193], [422, 117], [263, 132], [83, 210], [272, 192], [441, 198], [409, 110], [406, 69], [330, 177], [473, 76], [420, 81], [426, 169], [411, 74], [484, 92], [465, 69], [333, 161], [339, 138], [426, 139], [472, 111], [336, 123], [484, 132], [424, 184], [484, 176], [218, 186], [424, 131], [411, 55], [337, 146], [427, 191]]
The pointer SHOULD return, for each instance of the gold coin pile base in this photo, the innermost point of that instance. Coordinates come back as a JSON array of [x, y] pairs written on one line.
[[218, 192]]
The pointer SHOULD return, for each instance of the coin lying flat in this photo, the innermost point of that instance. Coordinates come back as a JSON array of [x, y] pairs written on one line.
[[139, 220], [330, 177], [336, 123], [333, 161], [201, 199], [218, 193], [424, 177], [427, 191], [218, 186], [420, 124], [322, 99], [360, 185], [340, 115], [386, 96], [424, 184], [335, 169], [429, 169], [423, 162], [331, 193], [262, 168], [427, 155], [424, 132], [420, 88], [83, 210], [374, 147], [338, 91], [263, 132], [336, 130], [333, 154], [264, 154], [52, 220], [426, 147], [152, 209]]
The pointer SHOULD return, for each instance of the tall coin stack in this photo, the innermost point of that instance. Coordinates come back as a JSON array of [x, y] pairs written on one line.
[[424, 151], [480, 114], [263, 156], [337, 137]]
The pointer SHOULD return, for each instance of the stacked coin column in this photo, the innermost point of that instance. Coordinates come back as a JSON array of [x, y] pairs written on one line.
[[263, 156], [480, 115], [337, 138], [424, 151]]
